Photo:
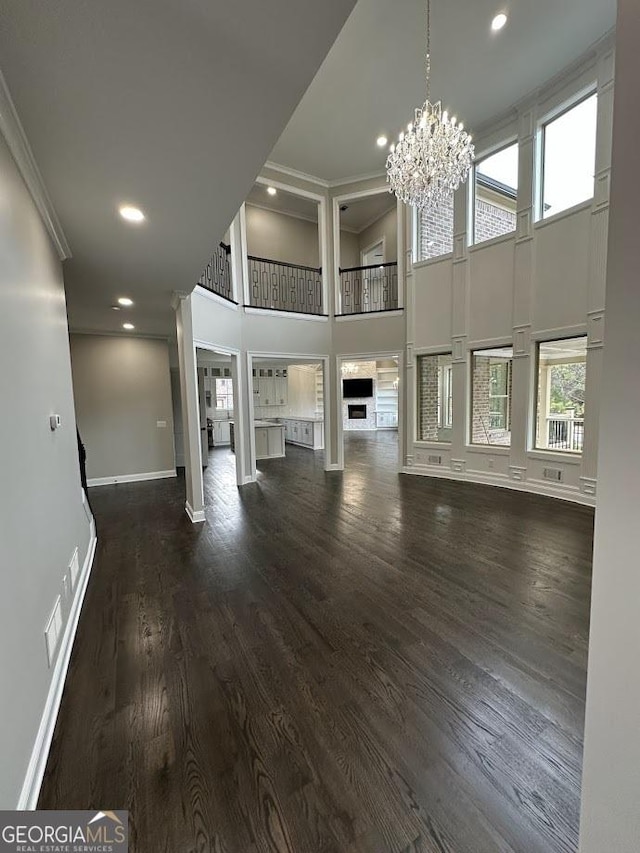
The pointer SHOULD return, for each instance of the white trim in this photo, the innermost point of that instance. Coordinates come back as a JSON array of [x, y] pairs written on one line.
[[131, 478], [509, 237], [209, 294], [281, 210], [288, 188], [369, 315], [535, 487], [294, 173], [368, 248], [321, 182], [194, 516], [17, 142], [292, 315], [30, 792], [581, 207], [437, 259], [555, 456]]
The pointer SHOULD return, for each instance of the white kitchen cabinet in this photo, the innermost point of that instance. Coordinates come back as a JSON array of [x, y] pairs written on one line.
[[306, 432], [269, 438], [221, 433]]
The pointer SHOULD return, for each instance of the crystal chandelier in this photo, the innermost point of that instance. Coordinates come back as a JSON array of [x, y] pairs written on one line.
[[433, 157]]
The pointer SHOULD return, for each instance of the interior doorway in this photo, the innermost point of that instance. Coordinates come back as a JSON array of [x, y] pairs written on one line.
[[370, 407]]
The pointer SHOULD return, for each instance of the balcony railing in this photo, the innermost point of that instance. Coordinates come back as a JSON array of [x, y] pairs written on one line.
[[217, 274], [370, 289], [279, 286], [565, 433]]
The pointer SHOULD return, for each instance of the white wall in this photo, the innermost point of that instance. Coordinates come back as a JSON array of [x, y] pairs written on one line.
[[301, 386], [42, 518], [610, 819], [386, 227], [122, 390], [545, 281]]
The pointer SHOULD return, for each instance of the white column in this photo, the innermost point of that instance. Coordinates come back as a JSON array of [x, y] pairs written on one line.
[[190, 409], [610, 818]]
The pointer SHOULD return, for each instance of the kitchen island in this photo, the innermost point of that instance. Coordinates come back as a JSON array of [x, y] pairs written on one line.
[[269, 437]]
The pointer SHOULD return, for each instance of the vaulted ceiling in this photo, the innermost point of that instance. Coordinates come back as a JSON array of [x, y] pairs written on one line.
[[174, 106], [373, 77]]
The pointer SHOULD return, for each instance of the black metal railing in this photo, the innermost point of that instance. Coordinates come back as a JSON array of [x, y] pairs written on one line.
[[284, 287], [366, 290], [217, 274]]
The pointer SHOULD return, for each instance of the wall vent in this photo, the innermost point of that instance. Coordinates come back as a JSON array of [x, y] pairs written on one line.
[[435, 460], [554, 474]]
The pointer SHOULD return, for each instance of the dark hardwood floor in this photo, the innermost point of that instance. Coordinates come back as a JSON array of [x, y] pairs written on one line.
[[333, 663]]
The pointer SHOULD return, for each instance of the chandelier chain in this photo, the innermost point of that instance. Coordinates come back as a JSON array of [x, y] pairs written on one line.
[[428, 56]]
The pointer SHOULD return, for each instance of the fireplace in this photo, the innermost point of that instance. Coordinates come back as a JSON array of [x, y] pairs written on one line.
[[357, 412]]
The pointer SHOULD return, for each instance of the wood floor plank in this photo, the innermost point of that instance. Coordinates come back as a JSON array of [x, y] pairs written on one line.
[[357, 662]]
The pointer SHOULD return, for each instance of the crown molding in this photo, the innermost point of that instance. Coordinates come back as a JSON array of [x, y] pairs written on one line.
[[321, 182], [294, 173], [283, 211], [16, 139]]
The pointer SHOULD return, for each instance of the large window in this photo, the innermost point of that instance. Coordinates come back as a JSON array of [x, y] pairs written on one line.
[[224, 394], [435, 397], [495, 194], [569, 156], [491, 396], [435, 231], [562, 368]]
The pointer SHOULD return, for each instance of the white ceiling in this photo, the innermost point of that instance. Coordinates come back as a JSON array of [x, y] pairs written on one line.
[[284, 202], [363, 212], [372, 78], [359, 215], [172, 106]]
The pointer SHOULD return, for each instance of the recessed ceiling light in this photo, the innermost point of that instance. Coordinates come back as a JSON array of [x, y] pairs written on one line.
[[115, 307], [272, 190], [128, 326], [381, 141], [124, 300], [131, 214], [498, 22]]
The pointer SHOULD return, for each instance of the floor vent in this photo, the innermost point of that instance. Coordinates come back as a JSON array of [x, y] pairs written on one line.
[[435, 460], [554, 474]]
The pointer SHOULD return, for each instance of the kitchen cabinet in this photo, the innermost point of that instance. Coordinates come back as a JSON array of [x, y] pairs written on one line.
[[221, 433], [306, 432]]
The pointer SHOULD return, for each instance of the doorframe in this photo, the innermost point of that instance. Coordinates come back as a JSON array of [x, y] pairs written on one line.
[[238, 409], [363, 252], [371, 356], [290, 357]]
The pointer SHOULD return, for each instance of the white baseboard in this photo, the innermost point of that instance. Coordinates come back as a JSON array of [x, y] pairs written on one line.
[[535, 487], [195, 515], [37, 763], [132, 478], [334, 466]]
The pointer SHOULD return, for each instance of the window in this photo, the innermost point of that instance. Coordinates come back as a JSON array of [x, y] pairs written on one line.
[[435, 397], [568, 157], [495, 194], [491, 396], [562, 368], [224, 394], [435, 231]]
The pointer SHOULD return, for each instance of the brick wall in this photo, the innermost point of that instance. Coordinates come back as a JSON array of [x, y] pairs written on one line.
[[435, 231], [481, 431], [428, 397], [492, 221]]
